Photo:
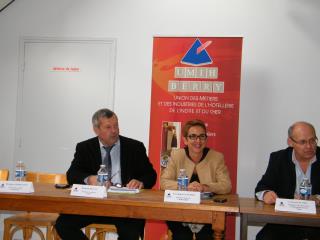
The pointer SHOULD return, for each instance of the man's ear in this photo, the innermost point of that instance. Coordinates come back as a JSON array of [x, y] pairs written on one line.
[[289, 141], [95, 130]]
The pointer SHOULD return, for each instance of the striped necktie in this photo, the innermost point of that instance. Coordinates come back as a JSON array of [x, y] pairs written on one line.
[[107, 160]]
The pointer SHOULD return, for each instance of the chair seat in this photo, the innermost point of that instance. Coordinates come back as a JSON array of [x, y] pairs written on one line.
[[43, 219]]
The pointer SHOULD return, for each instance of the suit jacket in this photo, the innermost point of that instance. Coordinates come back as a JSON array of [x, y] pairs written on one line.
[[212, 171], [280, 175], [134, 162]]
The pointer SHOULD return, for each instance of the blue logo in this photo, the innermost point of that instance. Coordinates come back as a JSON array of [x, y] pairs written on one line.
[[197, 55]]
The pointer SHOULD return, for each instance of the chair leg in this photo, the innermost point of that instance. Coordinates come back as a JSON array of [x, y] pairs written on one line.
[[49, 233], [55, 235], [101, 234], [87, 231], [27, 233], [12, 232], [6, 234]]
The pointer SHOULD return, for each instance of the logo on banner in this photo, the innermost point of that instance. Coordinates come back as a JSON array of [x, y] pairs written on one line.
[[197, 55], [196, 77]]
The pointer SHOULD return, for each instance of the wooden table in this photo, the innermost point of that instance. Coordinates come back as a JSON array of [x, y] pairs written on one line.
[[147, 204], [253, 212]]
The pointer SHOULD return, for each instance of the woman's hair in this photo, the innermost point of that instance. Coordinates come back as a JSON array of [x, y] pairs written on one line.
[[192, 123]]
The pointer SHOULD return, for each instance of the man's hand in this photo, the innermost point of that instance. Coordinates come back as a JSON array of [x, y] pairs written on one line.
[[92, 180], [269, 197], [134, 184]]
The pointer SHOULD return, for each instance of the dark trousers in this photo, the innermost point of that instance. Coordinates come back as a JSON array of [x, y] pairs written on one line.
[[279, 231], [180, 232], [69, 226]]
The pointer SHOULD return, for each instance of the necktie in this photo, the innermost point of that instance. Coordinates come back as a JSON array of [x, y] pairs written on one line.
[[107, 161]]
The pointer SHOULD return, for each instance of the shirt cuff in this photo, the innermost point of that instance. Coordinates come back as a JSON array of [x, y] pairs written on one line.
[[86, 180], [260, 194]]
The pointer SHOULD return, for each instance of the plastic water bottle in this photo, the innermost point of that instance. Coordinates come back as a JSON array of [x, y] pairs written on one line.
[[20, 172], [102, 175], [183, 180], [305, 189]]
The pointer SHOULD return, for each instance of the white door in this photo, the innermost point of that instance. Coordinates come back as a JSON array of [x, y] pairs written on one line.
[[62, 82]]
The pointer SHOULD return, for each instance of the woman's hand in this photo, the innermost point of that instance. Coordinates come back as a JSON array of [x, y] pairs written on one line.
[[198, 187]]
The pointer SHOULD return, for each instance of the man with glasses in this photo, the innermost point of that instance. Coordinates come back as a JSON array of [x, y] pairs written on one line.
[[284, 173], [206, 170]]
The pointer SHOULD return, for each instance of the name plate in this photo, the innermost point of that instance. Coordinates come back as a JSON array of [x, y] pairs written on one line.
[[81, 190], [16, 187], [295, 205], [182, 196]]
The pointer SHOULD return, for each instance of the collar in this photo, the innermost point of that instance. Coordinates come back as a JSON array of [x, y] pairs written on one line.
[[117, 143], [204, 153], [295, 161]]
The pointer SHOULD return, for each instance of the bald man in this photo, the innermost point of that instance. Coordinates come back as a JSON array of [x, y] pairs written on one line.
[[285, 171]]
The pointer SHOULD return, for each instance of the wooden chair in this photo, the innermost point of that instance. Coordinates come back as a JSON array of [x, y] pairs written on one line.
[[33, 221], [4, 174], [169, 236], [100, 231]]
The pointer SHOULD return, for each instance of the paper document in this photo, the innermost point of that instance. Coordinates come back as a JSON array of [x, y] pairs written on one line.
[[114, 189]]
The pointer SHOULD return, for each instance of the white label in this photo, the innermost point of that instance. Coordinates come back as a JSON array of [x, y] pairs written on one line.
[[296, 206], [114, 189], [81, 190], [20, 173], [16, 187], [181, 196]]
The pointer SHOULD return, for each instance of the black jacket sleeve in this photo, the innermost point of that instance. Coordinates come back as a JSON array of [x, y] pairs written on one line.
[[280, 175], [86, 161], [135, 163]]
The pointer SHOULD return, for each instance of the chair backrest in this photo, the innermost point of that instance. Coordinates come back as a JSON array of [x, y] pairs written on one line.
[[56, 178], [4, 174]]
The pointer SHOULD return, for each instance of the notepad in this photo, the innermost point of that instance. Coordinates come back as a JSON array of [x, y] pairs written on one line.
[[114, 189]]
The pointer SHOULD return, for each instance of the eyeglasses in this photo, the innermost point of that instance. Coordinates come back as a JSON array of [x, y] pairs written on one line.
[[194, 137], [312, 141]]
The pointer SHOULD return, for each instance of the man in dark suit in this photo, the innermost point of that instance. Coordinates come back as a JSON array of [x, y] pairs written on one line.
[[130, 167], [285, 171]]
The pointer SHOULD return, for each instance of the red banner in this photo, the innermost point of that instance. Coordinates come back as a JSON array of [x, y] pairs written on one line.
[[195, 78]]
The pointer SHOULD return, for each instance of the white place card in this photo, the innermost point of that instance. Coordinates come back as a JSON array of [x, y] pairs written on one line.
[[114, 189], [182, 196], [82, 190], [295, 205], [16, 187]]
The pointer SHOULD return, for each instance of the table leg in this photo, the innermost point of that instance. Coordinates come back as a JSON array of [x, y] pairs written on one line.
[[243, 226], [218, 225]]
